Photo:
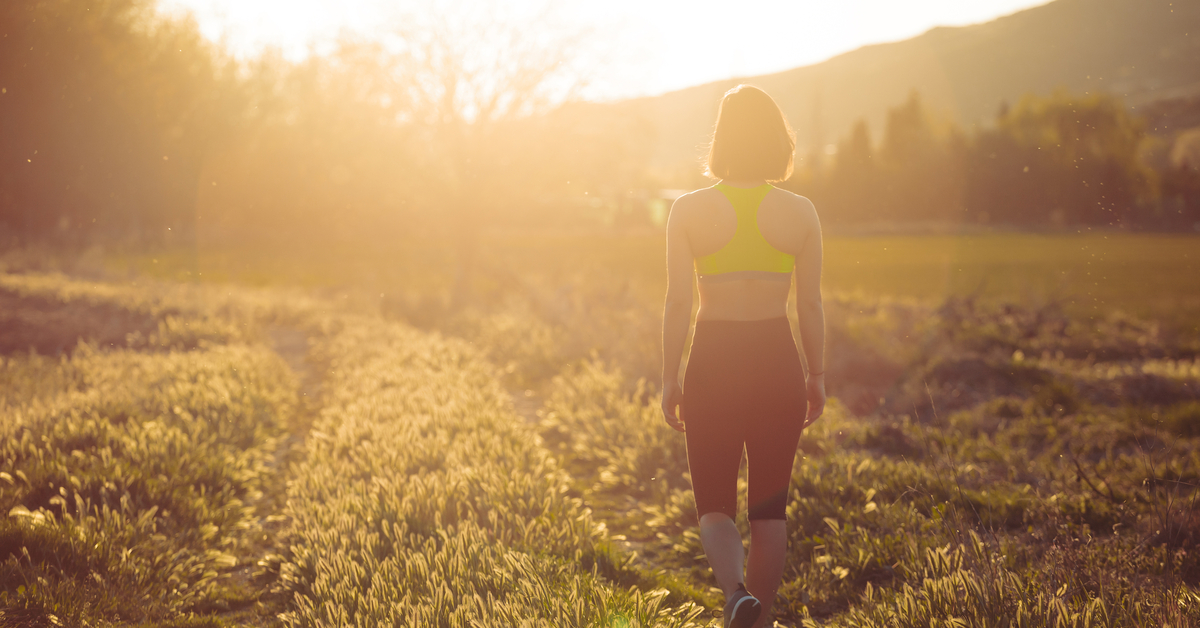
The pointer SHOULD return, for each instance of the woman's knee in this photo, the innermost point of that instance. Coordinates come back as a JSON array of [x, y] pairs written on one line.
[[714, 518], [768, 526]]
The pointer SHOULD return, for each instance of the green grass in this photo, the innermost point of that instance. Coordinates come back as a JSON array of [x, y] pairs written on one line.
[[143, 478], [1155, 276], [425, 501], [1150, 275], [1065, 500], [992, 457], [132, 474]]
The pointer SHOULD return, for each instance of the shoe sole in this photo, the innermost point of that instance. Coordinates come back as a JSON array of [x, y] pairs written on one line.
[[745, 612]]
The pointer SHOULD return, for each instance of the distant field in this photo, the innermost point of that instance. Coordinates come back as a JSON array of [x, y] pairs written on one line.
[[295, 458], [1156, 276], [1149, 275]]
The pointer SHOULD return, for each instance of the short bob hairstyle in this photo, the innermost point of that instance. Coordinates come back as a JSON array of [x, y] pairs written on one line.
[[752, 139]]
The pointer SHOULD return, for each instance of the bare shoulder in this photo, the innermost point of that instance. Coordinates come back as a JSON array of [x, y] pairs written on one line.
[[696, 197], [686, 206], [794, 204]]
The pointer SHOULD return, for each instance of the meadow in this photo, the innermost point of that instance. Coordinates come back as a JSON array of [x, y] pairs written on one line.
[[341, 452], [1155, 276], [285, 358]]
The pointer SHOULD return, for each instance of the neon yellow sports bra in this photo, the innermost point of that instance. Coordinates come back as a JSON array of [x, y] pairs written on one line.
[[747, 255]]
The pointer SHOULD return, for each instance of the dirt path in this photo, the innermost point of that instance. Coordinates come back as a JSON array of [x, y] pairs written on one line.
[[251, 601], [292, 345], [527, 404]]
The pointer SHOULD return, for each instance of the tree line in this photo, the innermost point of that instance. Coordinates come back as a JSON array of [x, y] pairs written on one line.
[[120, 124], [1053, 161]]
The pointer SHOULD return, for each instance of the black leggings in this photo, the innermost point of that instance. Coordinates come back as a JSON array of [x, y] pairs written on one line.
[[744, 387]]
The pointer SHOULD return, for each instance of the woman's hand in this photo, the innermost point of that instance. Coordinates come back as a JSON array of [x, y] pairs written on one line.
[[816, 398], [672, 398]]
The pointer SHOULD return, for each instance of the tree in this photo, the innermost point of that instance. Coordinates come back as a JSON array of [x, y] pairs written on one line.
[[457, 122], [855, 179], [321, 155], [472, 81], [921, 159], [106, 112], [1181, 182], [1062, 160]]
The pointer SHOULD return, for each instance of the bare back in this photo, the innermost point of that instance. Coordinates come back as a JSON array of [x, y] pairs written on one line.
[[707, 221]]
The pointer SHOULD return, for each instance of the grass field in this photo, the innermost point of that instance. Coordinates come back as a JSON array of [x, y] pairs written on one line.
[[1155, 276], [200, 453]]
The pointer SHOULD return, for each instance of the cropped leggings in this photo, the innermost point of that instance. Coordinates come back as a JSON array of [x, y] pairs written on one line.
[[743, 389]]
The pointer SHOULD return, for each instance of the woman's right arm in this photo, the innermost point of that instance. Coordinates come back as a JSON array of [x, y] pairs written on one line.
[[677, 314], [810, 312]]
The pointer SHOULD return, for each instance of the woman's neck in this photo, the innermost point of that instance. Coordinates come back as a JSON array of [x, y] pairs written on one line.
[[743, 183]]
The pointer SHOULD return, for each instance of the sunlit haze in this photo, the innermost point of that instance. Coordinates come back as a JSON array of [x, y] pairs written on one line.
[[646, 47], [432, 312]]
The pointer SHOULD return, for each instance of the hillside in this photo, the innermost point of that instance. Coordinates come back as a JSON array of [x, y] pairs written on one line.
[[1142, 50]]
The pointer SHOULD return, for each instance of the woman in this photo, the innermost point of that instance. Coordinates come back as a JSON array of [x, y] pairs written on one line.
[[745, 387]]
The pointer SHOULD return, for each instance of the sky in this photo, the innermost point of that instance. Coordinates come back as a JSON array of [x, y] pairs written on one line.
[[637, 47]]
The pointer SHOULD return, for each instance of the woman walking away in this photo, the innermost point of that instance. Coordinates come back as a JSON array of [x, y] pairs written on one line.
[[745, 387]]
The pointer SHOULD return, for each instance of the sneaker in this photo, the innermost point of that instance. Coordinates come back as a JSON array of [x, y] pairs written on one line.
[[741, 609]]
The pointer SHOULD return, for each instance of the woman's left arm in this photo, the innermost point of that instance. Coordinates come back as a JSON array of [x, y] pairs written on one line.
[[677, 314], [810, 311]]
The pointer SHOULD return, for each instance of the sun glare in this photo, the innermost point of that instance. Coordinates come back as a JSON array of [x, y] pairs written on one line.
[[648, 47], [381, 312], [291, 25]]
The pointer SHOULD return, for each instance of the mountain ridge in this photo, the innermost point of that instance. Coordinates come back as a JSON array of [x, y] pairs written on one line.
[[1140, 50]]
